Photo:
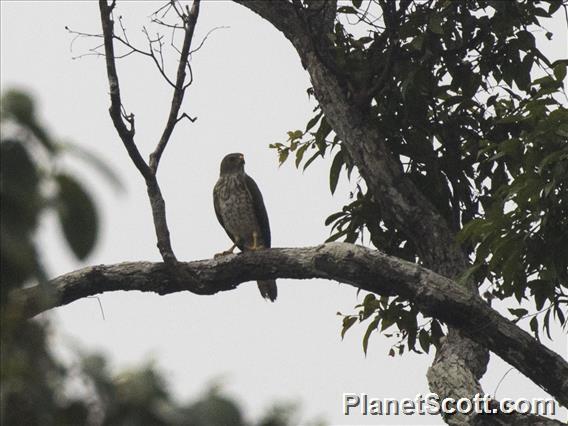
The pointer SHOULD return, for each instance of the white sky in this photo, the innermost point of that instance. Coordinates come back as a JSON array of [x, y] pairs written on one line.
[[249, 89]]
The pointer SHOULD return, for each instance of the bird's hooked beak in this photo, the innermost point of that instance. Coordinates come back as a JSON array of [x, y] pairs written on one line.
[[242, 158]]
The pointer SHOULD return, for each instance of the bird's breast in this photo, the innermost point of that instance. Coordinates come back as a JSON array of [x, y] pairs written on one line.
[[236, 208]]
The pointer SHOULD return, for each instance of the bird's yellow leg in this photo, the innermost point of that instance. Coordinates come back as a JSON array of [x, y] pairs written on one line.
[[254, 241], [226, 252]]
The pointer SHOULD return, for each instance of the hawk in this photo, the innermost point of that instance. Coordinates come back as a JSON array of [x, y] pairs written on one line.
[[240, 210]]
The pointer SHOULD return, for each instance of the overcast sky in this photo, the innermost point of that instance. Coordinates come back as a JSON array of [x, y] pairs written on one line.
[[249, 89]]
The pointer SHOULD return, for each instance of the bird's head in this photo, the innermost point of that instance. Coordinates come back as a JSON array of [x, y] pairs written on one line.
[[233, 163]]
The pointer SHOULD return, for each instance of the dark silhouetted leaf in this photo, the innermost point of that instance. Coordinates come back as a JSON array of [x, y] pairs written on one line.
[[77, 216], [334, 171]]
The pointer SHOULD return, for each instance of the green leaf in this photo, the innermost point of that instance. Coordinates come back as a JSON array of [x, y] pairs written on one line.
[[313, 121], [337, 235], [348, 321], [372, 327], [554, 6], [560, 71], [333, 217], [435, 24], [283, 155], [296, 134], [335, 170], [311, 160], [546, 323], [77, 216], [21, 200], [20, 107], [324, 129], [300, 154]]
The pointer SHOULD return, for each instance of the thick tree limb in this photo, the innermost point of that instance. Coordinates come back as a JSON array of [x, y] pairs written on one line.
[[358, 266]]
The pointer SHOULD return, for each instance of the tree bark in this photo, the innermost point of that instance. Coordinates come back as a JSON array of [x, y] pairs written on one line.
[[361, 267], [460, 362]]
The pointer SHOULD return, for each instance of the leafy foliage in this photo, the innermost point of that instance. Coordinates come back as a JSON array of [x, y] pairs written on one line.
[[472, 109], [32, 183]]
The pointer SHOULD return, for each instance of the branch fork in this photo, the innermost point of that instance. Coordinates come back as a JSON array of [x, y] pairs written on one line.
[[124, 122]]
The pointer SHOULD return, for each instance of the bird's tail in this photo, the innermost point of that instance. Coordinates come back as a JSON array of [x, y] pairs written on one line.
[[268, 289]]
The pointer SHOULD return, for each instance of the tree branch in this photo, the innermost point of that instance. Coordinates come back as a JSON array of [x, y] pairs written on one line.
[[118, 115], [190, 21], [126, 135], [361, 267], [401, 202]]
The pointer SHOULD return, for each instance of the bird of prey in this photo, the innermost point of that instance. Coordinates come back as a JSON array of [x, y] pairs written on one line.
[[240, 210]]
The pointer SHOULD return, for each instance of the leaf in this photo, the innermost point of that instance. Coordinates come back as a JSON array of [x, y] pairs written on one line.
[[558, 312], [560, 71], [20, 180], [311, 160], [348, 321], [323, 130], [424, 339], [77, 216], [300, 154], [333, 217], [313, 121], [372, 327], [554, 6], [296, 134], [546, 323], [20, 107], [335, 170], [435, 24], [518, 312], [283, 155], [337, 235]]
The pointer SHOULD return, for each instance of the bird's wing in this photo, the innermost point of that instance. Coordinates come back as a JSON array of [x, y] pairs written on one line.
[[218, 213], [259, 209]]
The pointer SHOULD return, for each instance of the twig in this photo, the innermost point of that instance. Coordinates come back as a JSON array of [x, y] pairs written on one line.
[[223, 27], [184, 115], [180, 86], [116, 109]]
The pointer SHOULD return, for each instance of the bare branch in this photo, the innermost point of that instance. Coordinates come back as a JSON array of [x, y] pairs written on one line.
[[165, 24], [184, 115], [180, 86], [223, 27], [120, 119], [361, 267], [159, 65], [123, 29], [116, 109]]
